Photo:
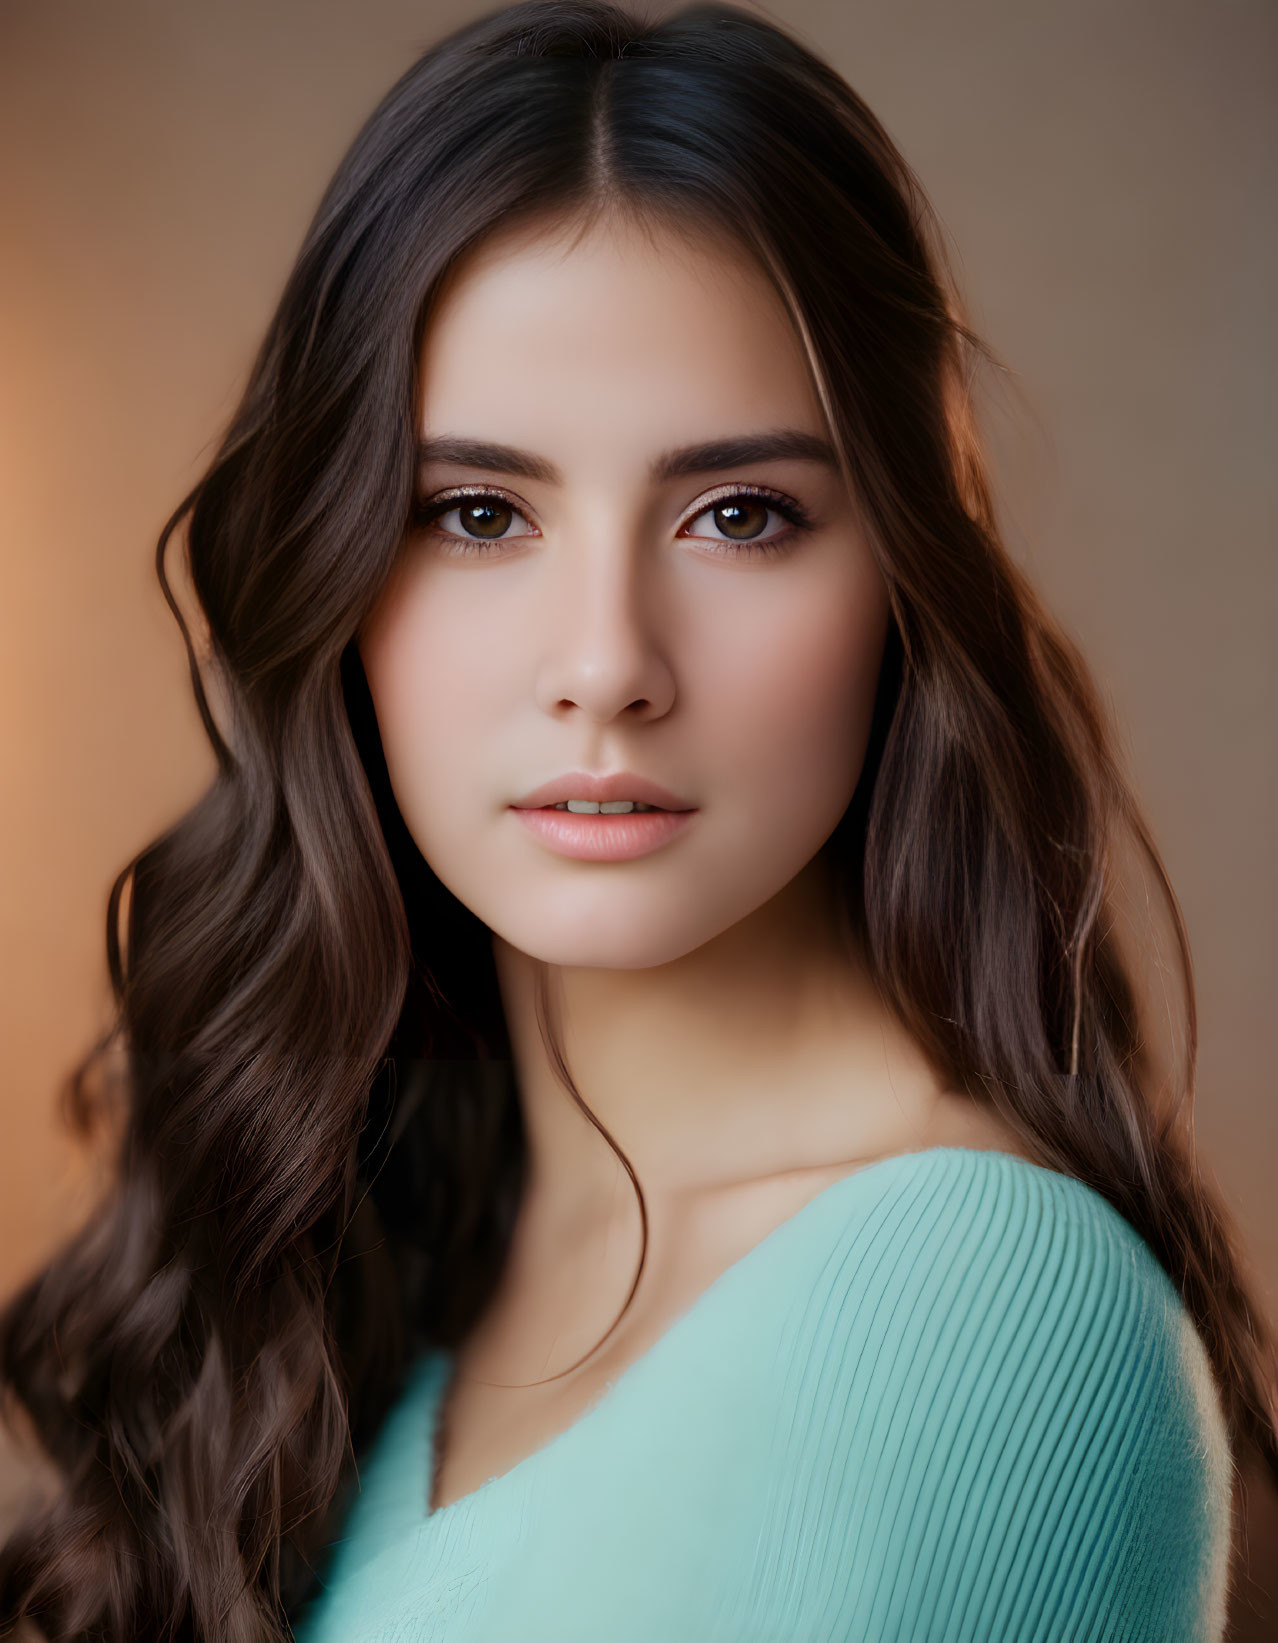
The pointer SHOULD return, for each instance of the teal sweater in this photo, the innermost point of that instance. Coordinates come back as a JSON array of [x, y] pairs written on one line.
[[954, 1397]]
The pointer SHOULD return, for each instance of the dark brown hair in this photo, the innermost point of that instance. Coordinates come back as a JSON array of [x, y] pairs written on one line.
[[319, 1149]]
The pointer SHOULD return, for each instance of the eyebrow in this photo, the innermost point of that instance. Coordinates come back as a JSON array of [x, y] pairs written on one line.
[[711, 456]]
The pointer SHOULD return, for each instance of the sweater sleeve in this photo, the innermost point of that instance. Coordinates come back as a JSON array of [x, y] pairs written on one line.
[[1045, 1456]]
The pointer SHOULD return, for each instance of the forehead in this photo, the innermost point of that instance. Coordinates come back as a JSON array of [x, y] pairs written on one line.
[[618, 335]]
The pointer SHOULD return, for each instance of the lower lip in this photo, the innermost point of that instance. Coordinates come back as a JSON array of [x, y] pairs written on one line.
[[604, 838]]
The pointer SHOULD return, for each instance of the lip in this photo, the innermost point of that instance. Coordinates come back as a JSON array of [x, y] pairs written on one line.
[[621, 784], [603, 838]]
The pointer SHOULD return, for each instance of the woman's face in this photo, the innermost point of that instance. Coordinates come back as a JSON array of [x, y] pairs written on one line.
[[615, 593]]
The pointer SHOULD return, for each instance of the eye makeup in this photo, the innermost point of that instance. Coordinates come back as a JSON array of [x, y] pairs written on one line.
[[426, 511]]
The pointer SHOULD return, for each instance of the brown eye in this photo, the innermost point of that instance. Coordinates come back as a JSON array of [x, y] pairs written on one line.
[[487, 518], [477, 516], [741, 518]]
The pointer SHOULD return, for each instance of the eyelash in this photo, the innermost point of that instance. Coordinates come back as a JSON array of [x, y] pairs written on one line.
[[426, 512]]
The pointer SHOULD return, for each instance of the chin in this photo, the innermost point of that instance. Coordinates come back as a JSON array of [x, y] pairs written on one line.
[[608, 937]]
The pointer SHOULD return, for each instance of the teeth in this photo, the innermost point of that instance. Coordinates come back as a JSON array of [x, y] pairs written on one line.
[[610, 807]]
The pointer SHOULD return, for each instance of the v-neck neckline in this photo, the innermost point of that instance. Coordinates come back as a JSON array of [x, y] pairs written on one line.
[[439, 1364]]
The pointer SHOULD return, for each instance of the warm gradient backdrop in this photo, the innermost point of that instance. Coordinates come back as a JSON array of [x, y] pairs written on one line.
[[1107, 172]]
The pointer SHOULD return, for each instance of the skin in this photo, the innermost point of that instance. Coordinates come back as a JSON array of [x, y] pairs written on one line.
[[713, 1016]]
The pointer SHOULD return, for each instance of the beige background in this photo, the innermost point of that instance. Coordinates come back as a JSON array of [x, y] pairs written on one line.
[[1106, 169]]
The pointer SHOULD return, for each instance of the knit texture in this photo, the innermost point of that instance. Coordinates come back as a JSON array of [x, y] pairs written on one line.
[[955, 1397]]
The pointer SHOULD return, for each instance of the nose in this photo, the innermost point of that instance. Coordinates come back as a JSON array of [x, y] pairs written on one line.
[[606, 633]]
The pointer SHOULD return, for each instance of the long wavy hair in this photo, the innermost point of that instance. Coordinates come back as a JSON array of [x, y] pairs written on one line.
[[316, 1138]]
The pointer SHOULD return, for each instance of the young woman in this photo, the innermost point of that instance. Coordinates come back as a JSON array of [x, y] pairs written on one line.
[[768, 1215]]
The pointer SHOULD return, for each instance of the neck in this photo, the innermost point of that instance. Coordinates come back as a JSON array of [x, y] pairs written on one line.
[[763, 1051]]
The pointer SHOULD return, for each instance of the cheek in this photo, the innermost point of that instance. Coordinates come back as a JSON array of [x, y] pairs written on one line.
[[436, 702], [794, 692]]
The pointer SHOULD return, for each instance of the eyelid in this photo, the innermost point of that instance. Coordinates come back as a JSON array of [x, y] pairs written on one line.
[[441, 501], [787, 506]]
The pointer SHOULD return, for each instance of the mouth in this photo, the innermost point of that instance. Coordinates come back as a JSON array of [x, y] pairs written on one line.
[[620, 793], [619, 807]]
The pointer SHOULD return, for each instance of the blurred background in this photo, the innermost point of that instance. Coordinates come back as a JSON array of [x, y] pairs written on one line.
[[1106, 170]]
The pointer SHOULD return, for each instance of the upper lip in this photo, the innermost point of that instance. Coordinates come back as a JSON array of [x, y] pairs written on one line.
[[579, 784]]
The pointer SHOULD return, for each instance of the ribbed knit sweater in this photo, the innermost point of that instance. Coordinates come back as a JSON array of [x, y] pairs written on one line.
[[954, 1397]]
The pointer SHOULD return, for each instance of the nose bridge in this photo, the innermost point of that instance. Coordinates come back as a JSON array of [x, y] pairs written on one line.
[[603, 649]]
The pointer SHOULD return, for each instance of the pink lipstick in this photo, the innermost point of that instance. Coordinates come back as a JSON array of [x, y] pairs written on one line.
[[604, 837]]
